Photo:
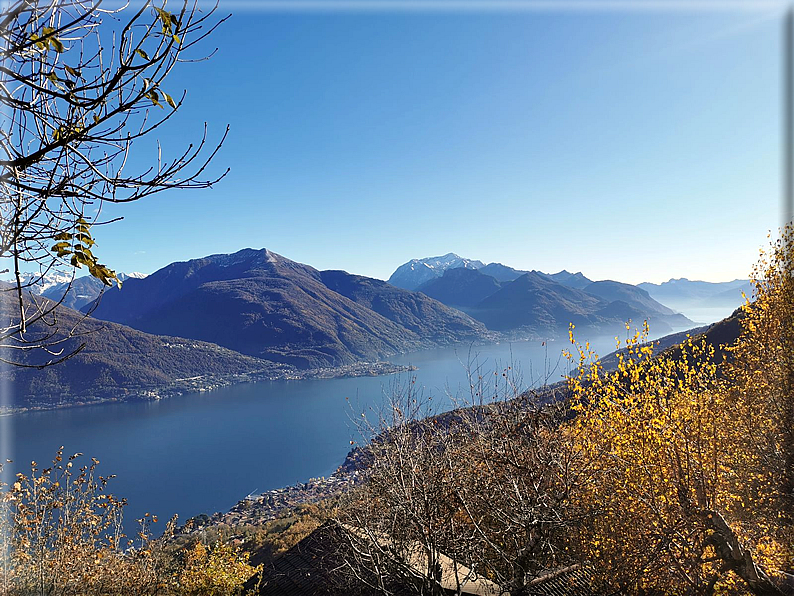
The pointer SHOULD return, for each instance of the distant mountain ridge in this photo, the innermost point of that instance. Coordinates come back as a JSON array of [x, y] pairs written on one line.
[[538, 302], [691, 288], [417, 272], [637, 297], [265, 305], [83, 290], [507, 299], [533, 300], [64, 286], [501, 272], [572, 280], [697, 296], [40, 283]]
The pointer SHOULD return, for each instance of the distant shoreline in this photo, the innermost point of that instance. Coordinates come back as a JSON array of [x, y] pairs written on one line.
[[204, 383]]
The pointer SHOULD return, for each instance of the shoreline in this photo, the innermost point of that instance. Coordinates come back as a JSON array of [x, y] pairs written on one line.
[[258, 509], [261, 508], [206, 383], [282, 372]]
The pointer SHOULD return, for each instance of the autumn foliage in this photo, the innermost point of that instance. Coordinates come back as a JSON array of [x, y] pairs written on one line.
[[61, 534], [670, 474], [693, 487]]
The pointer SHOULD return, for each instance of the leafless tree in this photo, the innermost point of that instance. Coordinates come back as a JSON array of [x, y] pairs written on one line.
[[479, 494], [517, 488], [81, 86], [398, 521]]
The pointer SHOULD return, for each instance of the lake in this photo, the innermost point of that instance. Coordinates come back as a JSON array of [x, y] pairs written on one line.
[[203, 452]]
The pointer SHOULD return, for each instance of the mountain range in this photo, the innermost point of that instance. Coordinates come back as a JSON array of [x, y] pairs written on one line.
[[73, 292], [258, 314], [262, 304], [533, 301], [696, 299], [415, 272], [686, 295], [265, 305]]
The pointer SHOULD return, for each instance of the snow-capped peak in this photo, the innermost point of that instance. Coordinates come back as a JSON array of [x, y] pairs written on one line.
[[39, 283], [415, 272], [42, 283]]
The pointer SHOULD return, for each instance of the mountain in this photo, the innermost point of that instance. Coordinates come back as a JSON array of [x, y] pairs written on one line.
[[39, 283], [501, 272], [262, 304], [700, 300], [117, 362], [61, 285], [415, 272], [50, 283], [619, 310], [82, 291], [658, 315], [76, 294], [732, 295], [134, 275], [538, 303], [411, 310], [541, 302], [685, 289], [572, 280], [461, 287], [637, 297]]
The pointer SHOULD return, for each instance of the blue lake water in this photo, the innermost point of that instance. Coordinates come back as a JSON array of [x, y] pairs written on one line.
[[203, 452]]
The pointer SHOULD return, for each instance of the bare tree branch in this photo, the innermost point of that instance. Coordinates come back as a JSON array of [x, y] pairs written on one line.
[[81, 85]]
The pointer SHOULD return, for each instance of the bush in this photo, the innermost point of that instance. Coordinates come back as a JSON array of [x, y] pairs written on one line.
[[62, 535]]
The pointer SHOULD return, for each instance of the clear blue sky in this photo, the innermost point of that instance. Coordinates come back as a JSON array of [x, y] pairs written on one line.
[[630, 145]]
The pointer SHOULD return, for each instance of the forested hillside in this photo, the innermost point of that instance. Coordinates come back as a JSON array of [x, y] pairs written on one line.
[[114, 361]]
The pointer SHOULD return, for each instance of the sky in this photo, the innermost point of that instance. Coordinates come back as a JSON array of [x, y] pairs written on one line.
[[636, 145]]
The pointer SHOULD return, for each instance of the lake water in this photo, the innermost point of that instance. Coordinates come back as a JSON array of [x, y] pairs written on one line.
[[203, 452]]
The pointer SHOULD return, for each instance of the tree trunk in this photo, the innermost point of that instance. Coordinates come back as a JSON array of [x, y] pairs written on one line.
[[738, 559]]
